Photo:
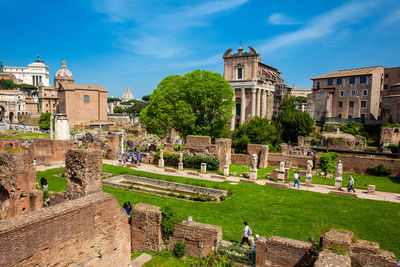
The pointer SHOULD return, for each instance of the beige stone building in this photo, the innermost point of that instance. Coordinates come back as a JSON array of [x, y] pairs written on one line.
[[83, 104], [348, 94], [296, 92], [391, 95], [254, 84], [48, 99]]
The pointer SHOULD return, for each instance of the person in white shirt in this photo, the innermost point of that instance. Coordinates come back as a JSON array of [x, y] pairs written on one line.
[[296, 180], [246, 234], [350, 185]]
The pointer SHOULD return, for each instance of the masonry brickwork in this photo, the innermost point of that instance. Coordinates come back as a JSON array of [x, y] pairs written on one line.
[[201, 239], [9, 143], [146, 227], [46, 150], [111, 147], [390, 135], [89, 231], [83, 172]]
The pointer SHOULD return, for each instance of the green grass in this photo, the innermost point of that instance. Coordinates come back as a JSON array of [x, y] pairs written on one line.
[[56, 183], [271, 211], [166, 259], [25, 136]]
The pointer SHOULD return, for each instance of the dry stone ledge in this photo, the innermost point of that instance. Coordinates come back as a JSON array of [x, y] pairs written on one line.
[[329, 259], [338, 238], [281, 252], [369, 254], [146, 227], [83, 169], [201, 239]]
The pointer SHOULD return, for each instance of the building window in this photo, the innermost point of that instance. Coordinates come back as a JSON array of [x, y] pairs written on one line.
[[385, 86], [330, 82], [363, 79], [339, 81], [86, 98], [238, 109], [240, 73], [340, 104], [340, 115], [353, 92], [351, 104], [317, 85], [342, 93], [54, 105], [386, 75], [352, 80], [363, 104], [365, 92]]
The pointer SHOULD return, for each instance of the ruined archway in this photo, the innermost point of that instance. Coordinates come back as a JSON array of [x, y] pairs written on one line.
[[2, 113], [4, 202], [11, 116]]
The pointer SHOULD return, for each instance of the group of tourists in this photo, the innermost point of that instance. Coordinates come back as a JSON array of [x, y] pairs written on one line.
[[132, 157], [350, 184]]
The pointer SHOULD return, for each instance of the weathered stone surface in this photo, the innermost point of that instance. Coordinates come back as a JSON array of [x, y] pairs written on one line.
[[343, 193], [9, 143], [338, 238], [329, 259], [17, 180], [203, 168], [201, 239], [371, 189], [83, 169], [111, 147], [89, 231], [369, 254], [281, 252], [46, 150], [146, 227], [57, 198]]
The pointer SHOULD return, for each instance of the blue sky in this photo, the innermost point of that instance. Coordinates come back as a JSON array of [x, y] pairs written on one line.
[[127, 43]]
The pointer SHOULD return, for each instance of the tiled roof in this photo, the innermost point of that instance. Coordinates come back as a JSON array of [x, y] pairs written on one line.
[[350, 72], [74, 86]]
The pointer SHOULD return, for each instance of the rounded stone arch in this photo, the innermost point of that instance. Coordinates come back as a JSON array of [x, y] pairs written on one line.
[[4, 202]]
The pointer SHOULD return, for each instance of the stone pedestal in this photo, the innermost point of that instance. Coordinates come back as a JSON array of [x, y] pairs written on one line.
[[253, 174], [281, 176], [308, 179], [180, 166], [226, 170], [338, 183], [203, 168], [371, 189], [161, 163]]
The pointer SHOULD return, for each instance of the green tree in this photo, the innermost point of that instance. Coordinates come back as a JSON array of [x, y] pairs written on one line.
[[301, 99], [118, 109], [328, 162], [256, 131], [199, 103], [146, 98], [44, 121], [291, 122], [7, 84]]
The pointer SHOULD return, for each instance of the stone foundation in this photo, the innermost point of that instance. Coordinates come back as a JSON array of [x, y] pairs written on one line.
[[46, 150], [330, 259], [146, 227], [9, 143]]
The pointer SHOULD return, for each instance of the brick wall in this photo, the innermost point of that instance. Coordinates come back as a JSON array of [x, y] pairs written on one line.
[[46, 150], [9, 143], [244, 159], [89, 231]]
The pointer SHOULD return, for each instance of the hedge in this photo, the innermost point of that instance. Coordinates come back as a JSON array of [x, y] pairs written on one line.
[[172, 159]]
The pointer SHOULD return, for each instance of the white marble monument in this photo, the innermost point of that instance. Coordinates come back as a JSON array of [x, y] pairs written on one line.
[[339, 176], [253, 169]]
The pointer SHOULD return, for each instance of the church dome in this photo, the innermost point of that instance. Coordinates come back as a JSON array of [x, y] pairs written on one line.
[[63, 75], [127, 95]]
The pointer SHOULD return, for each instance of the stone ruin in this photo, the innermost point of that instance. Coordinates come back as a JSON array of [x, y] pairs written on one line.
[[342, 141]]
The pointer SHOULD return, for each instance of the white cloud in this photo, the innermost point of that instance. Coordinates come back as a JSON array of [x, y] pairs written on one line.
[[323, 25], [281, 19]]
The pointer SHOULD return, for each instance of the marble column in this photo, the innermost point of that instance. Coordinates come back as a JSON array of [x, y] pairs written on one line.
[[253, 102], [243, 107], [258, 108], [263, 103], [233, 119]]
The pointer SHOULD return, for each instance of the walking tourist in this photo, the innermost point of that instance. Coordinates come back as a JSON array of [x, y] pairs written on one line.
[[246, 234], [296, 179], [350, 185], [43, 183], [127, 208]]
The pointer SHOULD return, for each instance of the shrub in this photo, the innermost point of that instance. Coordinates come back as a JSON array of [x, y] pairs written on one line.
[[380, 170], [216, 260], [172, 159], [394, 148], [180, 249], [328, 162], [168, 222]]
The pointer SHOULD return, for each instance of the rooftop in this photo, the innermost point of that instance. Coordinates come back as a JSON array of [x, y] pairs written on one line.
[[349, 72], [74, 86]]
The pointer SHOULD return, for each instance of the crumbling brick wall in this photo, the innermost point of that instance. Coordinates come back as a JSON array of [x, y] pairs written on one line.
[[146, 227], [83, 169], [9, 143], [281, 252], [89, 231], [18, 193], [46, 150], [111, 147], [200, 239], [261, 151]]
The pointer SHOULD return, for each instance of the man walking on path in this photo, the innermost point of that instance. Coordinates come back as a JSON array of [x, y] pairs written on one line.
[[350, 185], [246, 234], [296, 180]]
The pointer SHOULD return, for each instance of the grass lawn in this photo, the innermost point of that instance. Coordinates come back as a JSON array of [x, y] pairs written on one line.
[[25, 136], [270, 210]]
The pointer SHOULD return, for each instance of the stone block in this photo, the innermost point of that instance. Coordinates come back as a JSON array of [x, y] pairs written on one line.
[[281, 252], [329, 259], [308, 179], [338, 238], [253, 174], [161, 163], [200, 239], [36, 199], [193, 173], [83, 169], [146, 227], [170, 170], [338, 184], [57, 199], [203, 168], [180, 166], [281, 176], [343, 193], [226, 170], [371, 189]]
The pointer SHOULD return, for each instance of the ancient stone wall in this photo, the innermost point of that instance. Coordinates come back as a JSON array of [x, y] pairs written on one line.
[[111, 147], [9, 143], [46, 150], [244, 159], [83, 169], [89, 231], [18, 193], [261, 151], [390, 135], [146, 227], [201, 239], [281, 252]]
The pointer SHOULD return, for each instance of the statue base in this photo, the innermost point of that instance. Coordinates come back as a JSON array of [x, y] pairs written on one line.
[[308, 179], [281, 176], [180, 166], [253, 174], [161, 163], [338, 184], [226, 170]]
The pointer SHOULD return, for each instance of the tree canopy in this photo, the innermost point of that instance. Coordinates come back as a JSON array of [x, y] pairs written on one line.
[[44, 121], [7, 84], [291, 122], [133, 107], [199, 103]]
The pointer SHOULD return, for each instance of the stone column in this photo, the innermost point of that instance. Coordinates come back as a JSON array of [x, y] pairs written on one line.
[[258, 109], [203, 168], [263, 103], [253, 102], [122, 144], [233, 119], [51, 126], [243, 107]]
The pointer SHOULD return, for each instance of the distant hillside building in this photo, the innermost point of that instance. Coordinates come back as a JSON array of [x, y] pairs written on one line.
[[254, 84], [348, 94], [296, 92], [35, 74]]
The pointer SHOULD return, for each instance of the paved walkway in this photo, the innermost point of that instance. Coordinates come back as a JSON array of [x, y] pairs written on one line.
[[325, 189], [142, 259]]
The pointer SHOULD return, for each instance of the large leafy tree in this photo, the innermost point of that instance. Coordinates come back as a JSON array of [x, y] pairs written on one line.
[[291, 122], [256, 131], [200, 103], [44, 121]]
